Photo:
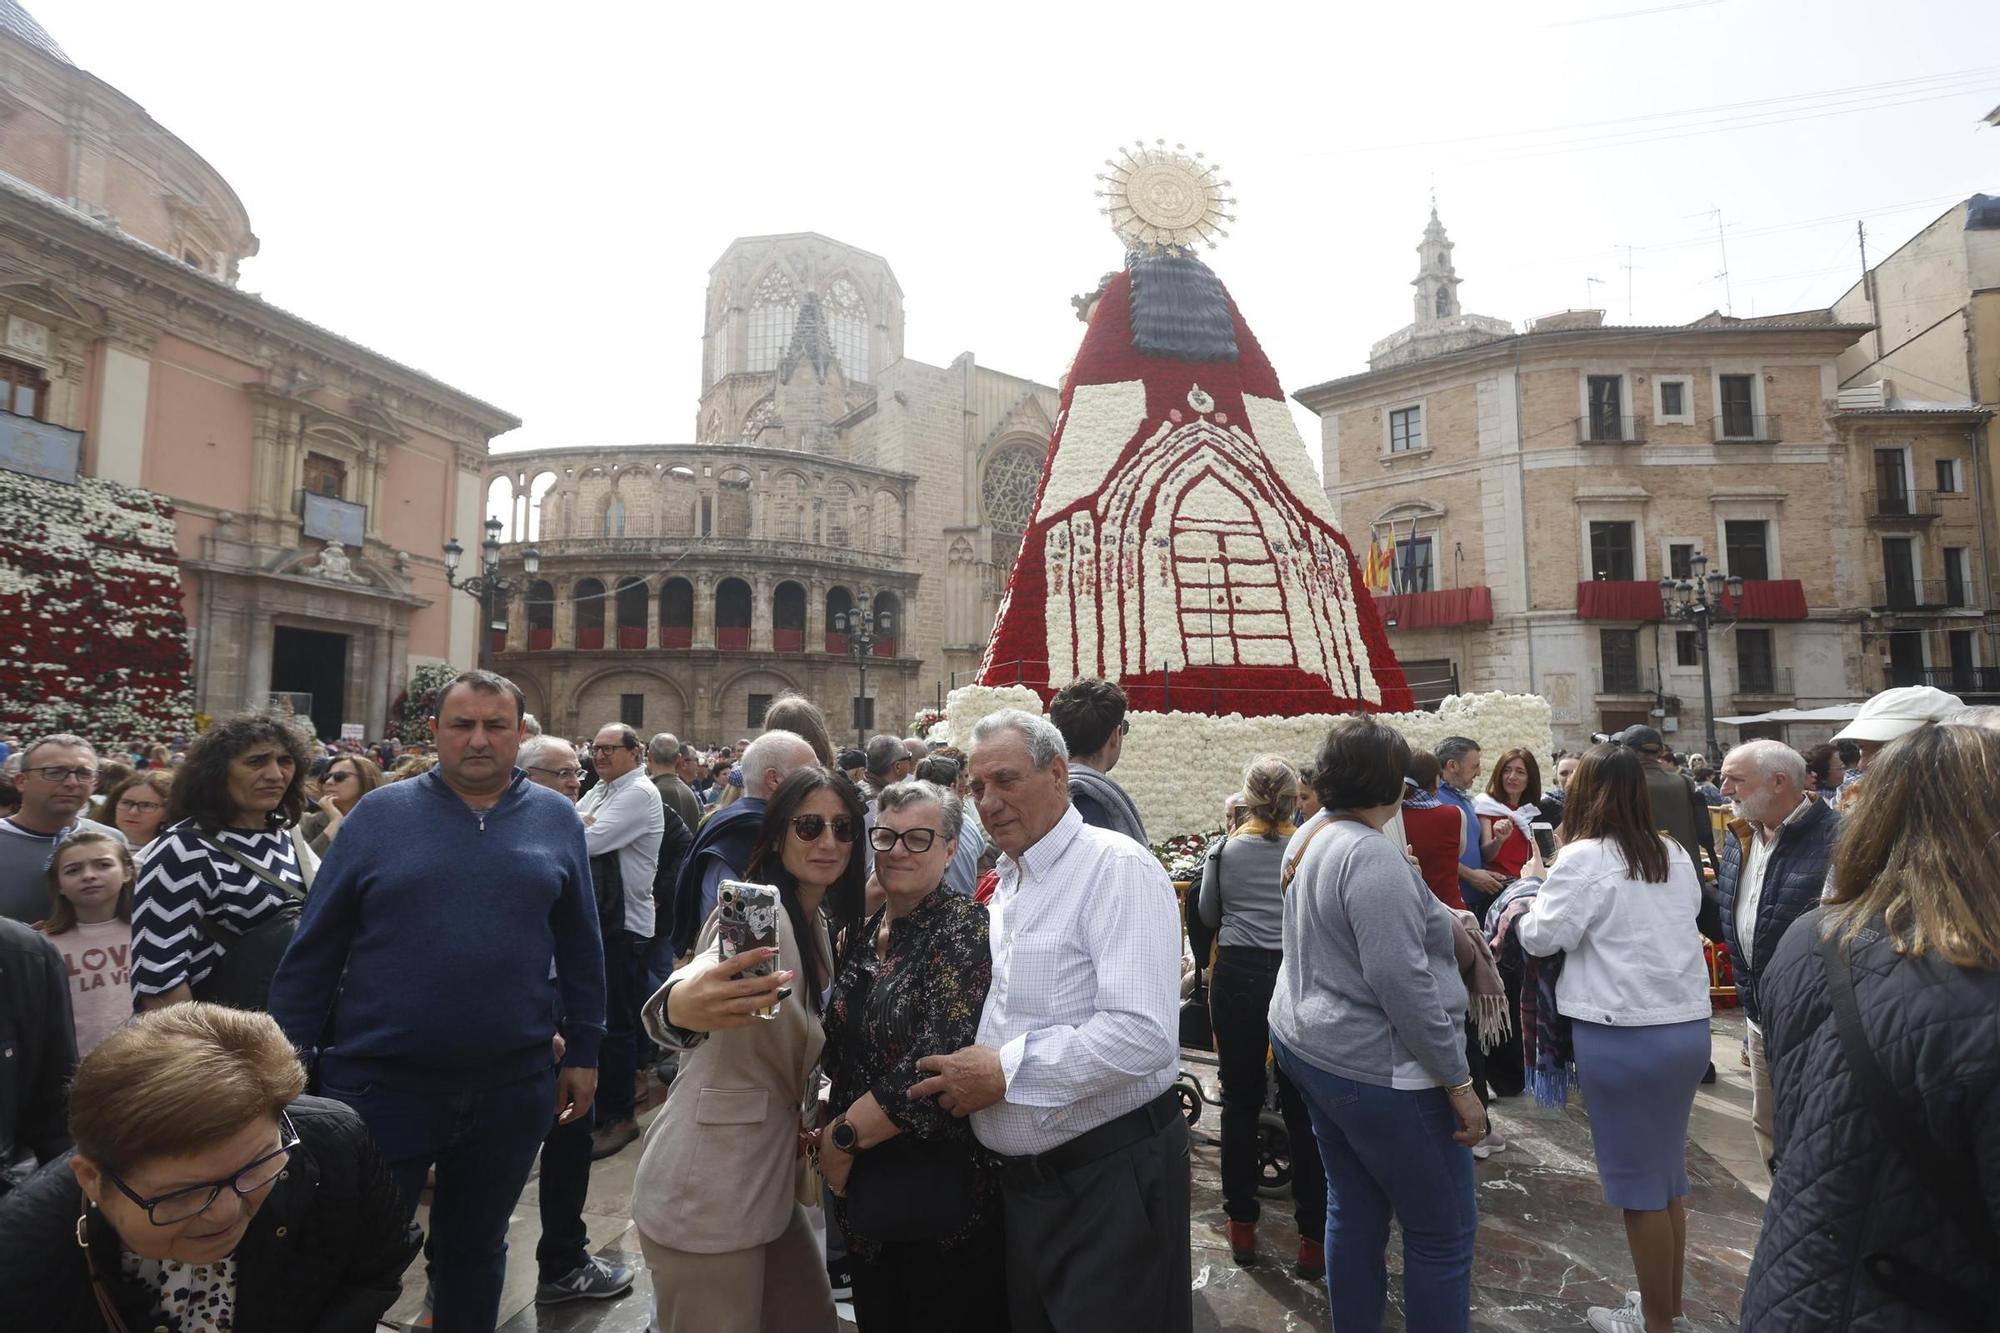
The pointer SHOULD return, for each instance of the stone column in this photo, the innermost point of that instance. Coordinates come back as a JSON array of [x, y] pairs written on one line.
[[761, 604], [257, 672], [816, 616], [704, 610], [565, 619], [375, 707]]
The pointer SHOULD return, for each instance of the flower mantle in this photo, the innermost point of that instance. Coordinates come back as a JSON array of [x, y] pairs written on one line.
[[90, 591]]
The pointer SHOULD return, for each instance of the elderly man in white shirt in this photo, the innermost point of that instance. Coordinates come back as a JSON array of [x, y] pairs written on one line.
[[623, 814], [1070, 1082]]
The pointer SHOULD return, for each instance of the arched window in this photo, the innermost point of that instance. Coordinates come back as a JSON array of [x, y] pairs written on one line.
[[500, 505], [587, 602], [614, 517], [676, 614], [888, 519], [839, 601], [1444, 302], [718, 364], [755, 421], [788, 618], [732, 504], [788, 508], [887, 604], [772, 312], [633, 605], [732, 615], [839, 514], [1008, 488], [847, 325], [541, 616], [538, 491], [677, 501]]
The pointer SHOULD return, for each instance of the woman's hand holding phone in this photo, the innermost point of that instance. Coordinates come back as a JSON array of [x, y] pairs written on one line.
[[721, 997]]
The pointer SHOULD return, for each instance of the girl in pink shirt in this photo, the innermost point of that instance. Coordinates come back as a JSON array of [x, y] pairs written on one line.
[[90, 921]]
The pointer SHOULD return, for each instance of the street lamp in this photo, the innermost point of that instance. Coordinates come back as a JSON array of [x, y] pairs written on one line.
[[860, 625], [487, 585], [1698, 601]]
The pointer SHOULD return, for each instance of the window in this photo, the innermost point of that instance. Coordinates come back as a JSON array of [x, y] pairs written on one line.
[[1755, 672], [772, 313], [1413, 570], [1899, 574], [325, 476], [1963, 667], [1406, 430], [632, 710], [1611, 551], [1618, 649], [1607, 407], [614, 518], [1444, 303], [1892, 482], [1431, 680], [707, 516], [1947, 476], [1744, 552], [1673, 398], [24, 390], [1957, 590], [847, 324], [1687, 648], [1680, 560], [760, 704], [1739, 421]]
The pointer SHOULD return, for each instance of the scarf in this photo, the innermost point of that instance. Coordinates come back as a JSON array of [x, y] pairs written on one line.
[[1254, 827], [1416, 798], [1484, 991], [1523, 814], [1547, 1054]]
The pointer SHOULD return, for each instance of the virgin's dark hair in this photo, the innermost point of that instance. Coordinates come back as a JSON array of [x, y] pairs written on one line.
[[1606, 798], [201, 787], [844, 897]]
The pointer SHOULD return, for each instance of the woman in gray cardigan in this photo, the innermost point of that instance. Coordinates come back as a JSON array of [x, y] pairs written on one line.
[[1368, 1019]]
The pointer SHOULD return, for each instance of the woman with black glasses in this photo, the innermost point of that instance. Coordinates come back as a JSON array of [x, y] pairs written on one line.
[[919, 1207], [720, 1193], [204, 1193]]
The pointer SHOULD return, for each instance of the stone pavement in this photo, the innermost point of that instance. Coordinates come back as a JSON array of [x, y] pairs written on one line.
[[1548, 1245]]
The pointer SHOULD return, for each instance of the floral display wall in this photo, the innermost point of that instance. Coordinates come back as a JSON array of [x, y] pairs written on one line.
[[1180, 767], [90, 594]]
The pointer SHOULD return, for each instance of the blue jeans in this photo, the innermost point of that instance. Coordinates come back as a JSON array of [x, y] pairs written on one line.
[[483, 1144], [1390, 1152]]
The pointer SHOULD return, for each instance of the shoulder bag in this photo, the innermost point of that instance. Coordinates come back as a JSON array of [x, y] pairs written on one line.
[[1904, 1130], [240, 976]]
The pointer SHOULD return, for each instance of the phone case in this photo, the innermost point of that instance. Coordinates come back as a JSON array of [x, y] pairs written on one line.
[[749, 919]]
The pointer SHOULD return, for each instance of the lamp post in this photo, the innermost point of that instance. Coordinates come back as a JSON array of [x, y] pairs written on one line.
[[1698, 601], [859, 625], [487, 585]]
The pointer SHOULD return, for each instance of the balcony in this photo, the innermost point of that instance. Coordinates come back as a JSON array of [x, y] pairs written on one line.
[[631, 637], [1916, 595], [677, 637], [1760, 685], [717, 551], [1619, 599], [1436, 610], [1603, 428], [1966, 682], [541, 640], [1901, 506], [837, 643], [1745, 428], [732, 638], [590, 640], [1622, 681], [885, 647], [788, 640]]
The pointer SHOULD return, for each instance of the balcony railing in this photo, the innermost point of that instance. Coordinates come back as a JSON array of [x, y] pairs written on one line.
[[498, 638], [732, 638], [541, 640], [1603, 428], [1744, 428], [1914, 595], [1619, 680], [677, 636], [833, 551], [590, 639], [631, 636], [1964, 681], [1769, 683], [788, 640], [1434, 610], [837, 643], [1900, 506], [885, 647]]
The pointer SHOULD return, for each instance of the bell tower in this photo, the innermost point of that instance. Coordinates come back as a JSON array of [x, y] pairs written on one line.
[[1436, 284]]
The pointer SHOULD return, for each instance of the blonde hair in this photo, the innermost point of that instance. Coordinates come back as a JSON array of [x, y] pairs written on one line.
[[1270, 792], [173, 1081], [1916, 852], [62, 912]]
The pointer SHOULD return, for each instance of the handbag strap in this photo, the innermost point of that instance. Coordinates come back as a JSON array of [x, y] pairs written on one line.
[[1292, 866], [288, 890], [1906, 1131]]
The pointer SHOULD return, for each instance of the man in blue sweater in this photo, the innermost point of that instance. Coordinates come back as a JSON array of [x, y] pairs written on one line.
[[421, 976]]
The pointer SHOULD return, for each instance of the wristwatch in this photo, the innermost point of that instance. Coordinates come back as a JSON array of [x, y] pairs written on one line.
[[844, 1137]]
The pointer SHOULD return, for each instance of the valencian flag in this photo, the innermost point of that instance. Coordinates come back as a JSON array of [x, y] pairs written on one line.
[[1181, 543]]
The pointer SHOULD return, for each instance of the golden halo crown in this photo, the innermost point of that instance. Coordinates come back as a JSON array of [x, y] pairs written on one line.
[[1162, 199]]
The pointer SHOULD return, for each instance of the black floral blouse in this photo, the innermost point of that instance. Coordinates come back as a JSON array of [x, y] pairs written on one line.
[[923, 998]]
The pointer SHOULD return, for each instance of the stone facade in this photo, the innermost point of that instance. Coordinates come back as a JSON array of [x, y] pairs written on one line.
[[121, 320], [813, 483]]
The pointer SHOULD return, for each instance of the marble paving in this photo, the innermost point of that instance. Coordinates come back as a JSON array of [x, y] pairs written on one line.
[[1548, 1248]]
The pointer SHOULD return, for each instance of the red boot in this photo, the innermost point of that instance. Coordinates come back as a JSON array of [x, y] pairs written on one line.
[[1312, 1259], [1243, 1243]]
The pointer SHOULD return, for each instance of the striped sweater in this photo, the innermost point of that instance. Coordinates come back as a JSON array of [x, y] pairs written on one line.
[[181, 882]]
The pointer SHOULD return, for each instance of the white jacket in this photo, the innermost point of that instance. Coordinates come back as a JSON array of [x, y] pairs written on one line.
[[1633, 953]]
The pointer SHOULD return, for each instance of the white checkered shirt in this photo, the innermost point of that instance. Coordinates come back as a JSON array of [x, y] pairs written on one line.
[[1085, 1003]]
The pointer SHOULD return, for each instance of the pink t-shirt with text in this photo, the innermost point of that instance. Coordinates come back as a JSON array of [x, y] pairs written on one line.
[[98, 957]]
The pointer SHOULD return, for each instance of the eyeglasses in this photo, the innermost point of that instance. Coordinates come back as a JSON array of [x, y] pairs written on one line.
[[167, 1209], [139, 807], [809, 827], [1124, 726], [607, 749], [916, 839], [559, 774], [62, 775], [342, 776]]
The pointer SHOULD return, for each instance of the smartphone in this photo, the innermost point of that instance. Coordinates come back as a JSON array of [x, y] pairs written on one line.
[[1545, 840], [749, 919]]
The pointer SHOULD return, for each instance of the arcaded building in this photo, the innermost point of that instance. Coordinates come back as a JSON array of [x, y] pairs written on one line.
[[683, 586]]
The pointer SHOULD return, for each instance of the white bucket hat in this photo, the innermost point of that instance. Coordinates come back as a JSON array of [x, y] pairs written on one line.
[[1899, 712]]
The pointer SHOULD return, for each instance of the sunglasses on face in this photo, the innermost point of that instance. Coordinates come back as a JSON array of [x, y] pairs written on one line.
[[809, 827], [916, 839]]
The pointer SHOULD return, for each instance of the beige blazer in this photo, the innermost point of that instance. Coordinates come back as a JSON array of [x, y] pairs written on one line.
[[720, 1170]]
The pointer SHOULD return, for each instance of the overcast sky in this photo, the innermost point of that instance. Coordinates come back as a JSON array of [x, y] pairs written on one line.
[[524, 200]]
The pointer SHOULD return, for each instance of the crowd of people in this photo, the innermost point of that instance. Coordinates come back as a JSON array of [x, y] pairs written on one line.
[[261, 998]]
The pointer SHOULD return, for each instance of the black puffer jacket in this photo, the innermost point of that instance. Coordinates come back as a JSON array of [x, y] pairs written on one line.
[[1842, 1191], [325, 1254]]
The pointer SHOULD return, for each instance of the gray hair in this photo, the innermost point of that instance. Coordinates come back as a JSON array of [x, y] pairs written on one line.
[[531, 724], [1454, 748], [1768, 759], [627, 737], [884, 753], [56, 738], [915, 791], [663, 749], [786, 751], [1045, 742], [1979, 715], [536, 748]]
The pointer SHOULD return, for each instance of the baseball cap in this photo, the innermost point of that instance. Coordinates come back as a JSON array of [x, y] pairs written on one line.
[[853, 759], [1899, 712], [1641, 738]]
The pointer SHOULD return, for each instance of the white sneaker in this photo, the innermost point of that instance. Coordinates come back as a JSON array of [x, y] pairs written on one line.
[[1486, 1147], [1633, 1319]]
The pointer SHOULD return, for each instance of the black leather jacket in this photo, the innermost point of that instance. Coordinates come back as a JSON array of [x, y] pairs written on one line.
[[37, 1052], [325, 1253]]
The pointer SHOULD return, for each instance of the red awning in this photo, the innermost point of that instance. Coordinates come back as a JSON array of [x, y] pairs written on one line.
[[1617, 599], [1771, 599], [1435, 610]]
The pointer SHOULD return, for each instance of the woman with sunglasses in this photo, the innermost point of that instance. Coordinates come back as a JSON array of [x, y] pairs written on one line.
[[719, 1195], [347, 779], [203, 1193], [912, 980]]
